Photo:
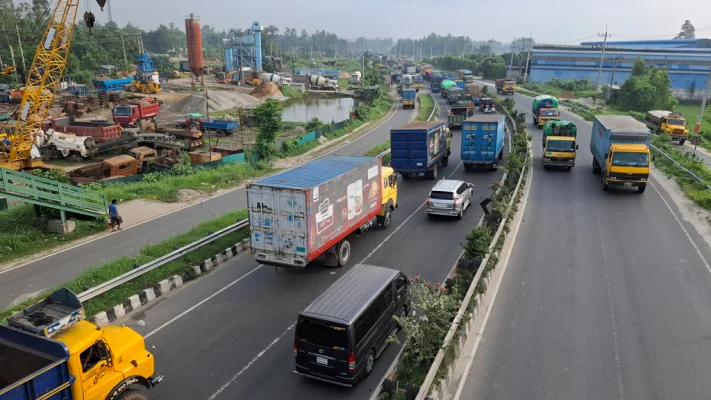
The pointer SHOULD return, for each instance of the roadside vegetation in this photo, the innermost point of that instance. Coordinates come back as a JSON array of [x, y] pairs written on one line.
[[379, 148], [182, 266], [580, 88], [292, 93], [427, 104], [694, 190]]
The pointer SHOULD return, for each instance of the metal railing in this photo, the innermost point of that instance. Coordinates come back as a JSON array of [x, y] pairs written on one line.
[[149, 266], [681, 167]]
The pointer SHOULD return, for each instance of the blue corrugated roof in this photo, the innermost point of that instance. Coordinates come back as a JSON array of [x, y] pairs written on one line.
[[315, 173]]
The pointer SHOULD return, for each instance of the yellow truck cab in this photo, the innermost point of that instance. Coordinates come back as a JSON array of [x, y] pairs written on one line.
[[559, 144], [668, 123], [389, 196], [49, 349]]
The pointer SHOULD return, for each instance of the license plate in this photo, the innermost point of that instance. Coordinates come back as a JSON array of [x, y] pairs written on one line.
[[322, 360], [628, 184]]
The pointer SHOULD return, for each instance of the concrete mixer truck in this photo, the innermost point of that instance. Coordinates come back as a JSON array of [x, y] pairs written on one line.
[[273, 78], [317, 82], [355, 78]]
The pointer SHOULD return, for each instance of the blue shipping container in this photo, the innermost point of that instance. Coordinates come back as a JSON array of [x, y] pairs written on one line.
[[611, 129], [483, 140], [112, 85], [418, 147], [460, 84], [409, 94]]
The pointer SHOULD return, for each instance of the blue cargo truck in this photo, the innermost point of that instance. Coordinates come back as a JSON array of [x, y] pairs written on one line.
[[435, 80], [483, 141], [409, 96], [420, 148]]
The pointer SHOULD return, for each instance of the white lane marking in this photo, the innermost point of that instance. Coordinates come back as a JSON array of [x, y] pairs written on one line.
[[686, 233], [249, 364], [404, 222], [505, 260], [205, 300], [346, 143]]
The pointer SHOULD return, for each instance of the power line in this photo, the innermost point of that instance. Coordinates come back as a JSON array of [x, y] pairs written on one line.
[[602, 58]]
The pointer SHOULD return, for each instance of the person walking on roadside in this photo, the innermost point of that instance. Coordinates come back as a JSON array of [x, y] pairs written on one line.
[[116, 219]]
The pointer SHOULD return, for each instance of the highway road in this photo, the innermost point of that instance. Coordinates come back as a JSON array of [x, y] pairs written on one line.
[[606, 295], [61, 266], [229, 335]]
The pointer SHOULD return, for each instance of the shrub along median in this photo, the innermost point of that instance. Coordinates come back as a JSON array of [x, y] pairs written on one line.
[[182, 266], [427, 104]]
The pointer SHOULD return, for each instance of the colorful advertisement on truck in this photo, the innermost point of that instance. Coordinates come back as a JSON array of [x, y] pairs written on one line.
[[544, 108], [505, 86], [483, 141], [668, 123], [420, 148], [559, 144], [298, 215], [620, 149]]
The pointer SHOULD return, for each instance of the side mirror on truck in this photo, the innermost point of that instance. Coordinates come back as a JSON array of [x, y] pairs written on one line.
[[577, 147]]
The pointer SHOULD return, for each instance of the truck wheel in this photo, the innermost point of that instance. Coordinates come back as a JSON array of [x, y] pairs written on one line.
[[642, 188], [545, 166], [344, 253], [445, 161], [602, 182], [501, 155], [682, 141], [595, 168], [220, 132], [494, 167], [433, 173], [193, 126], [132, 394], [569, 168], [385, 220], [467, 167]]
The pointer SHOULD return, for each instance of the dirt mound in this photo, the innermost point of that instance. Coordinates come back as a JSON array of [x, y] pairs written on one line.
[[266, 90], [566, 94], [344, 75], [219, 100]]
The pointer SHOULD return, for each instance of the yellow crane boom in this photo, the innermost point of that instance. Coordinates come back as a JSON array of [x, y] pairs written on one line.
[[42, 83]]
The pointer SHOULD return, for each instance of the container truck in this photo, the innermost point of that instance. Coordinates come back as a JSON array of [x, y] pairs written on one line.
[[559, 144], [435, 81], [461, 73], [457, 115], [544, 108], [460, 83], [483, 141], [409, 97], [668, 123], [310, 211], [49, 351], [620, 149], [136, 114], [420, 148], [411, 70], [418, 82], [505, 86]]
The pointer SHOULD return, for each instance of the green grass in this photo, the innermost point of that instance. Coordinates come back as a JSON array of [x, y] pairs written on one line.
[[19, 237], [379, 148], [691, 113], [692, 189], [110, 270], [426, 105], [344, 83], [292, 93]]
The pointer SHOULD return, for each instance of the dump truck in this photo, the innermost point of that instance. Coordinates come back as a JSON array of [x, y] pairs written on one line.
[[668, 123], [409, 97], [308, 212], [111, 168], [50, 351], [544, 108], [220, 127], [101, 131], [505, 86], [483, 141], [420, 148], [559, 144], [457, 114], [137, 114], [620, 149]]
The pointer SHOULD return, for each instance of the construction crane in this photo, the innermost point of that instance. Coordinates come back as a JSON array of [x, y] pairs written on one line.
[[17, 149]]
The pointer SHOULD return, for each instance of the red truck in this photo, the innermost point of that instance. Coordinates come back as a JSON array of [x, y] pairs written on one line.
[[101, 131], [136, 113]]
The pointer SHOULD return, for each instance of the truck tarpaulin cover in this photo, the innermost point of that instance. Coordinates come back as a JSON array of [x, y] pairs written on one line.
[[545, 101]]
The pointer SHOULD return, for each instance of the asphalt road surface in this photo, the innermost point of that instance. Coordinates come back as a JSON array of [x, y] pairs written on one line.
[[229, 335], [606, 295], [63, 266]]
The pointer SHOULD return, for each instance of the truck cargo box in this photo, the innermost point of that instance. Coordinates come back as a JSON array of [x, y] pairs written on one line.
[[101, 132], [482, 140], [297, 215], [612, 129], [417, 146]]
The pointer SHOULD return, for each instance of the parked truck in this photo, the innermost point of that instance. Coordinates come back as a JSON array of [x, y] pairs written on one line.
[[101, 131], [137, 114], [483, 141], [420, 148], [220, 127], [317, 82], [620, 149], [49, 351], [544, 108], [668, 123], [409, 97], [310, 211], [559, 144], [355, 78], [505, 86], [55, 145], [457, 114]]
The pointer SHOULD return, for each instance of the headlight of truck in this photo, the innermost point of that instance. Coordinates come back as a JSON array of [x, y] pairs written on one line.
[[643, 179], [546, 159], [613, 178]]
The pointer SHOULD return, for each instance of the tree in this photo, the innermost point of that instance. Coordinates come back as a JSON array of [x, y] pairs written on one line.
[[647, 89], [639, 67], [687, 31], [269, 123]]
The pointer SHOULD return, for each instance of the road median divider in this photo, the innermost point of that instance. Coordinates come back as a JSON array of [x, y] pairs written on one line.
[[447, 311]]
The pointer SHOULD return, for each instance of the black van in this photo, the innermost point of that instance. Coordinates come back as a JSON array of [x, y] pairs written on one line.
[[339, 336]]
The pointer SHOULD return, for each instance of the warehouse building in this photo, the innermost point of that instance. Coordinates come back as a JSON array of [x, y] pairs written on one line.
[[688, 62]]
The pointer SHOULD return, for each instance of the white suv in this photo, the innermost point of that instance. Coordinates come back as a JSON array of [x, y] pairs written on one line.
[[449, 197]]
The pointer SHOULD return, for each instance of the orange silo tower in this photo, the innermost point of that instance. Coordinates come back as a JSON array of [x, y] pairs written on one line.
[[193, 32]]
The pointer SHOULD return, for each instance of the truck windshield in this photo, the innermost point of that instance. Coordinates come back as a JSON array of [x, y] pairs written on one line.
[[560, 145], [549, 113], [626, 159], [322, 333], [509, 83], [677, 122], [122, 111]]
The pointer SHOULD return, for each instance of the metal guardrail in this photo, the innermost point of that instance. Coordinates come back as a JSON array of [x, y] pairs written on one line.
[[436, 364], [434, 108], [691, 174], [149, 266]]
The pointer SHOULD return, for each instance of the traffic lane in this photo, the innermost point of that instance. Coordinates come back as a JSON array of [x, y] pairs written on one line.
[[63, 266]]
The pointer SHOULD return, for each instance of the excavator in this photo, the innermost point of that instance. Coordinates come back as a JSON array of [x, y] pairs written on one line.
[[145, 84], [8, 70], [18, 149]]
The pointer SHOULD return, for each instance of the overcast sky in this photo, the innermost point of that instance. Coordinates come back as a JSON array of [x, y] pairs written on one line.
[[560, 22]]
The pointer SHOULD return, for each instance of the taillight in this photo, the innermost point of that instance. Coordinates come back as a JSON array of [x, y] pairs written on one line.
[[296, 347], [351, 362], [427, 202], [454, 204]]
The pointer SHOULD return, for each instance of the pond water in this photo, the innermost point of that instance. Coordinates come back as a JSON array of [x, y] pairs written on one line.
[[326, 109]]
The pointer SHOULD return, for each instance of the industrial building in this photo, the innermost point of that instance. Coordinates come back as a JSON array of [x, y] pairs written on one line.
[[245, 52], [688, 62]]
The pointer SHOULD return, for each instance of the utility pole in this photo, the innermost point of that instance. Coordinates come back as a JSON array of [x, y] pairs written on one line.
[[703, 108], [125, 60], [602, 58], [491, 47], [431, 48], [445, 47], [528, 59], [612, 78], [22, 52], [512, 52], [362, 51], [12, 53]]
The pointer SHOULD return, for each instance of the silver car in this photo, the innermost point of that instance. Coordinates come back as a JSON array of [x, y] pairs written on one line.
[[449, 197]]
